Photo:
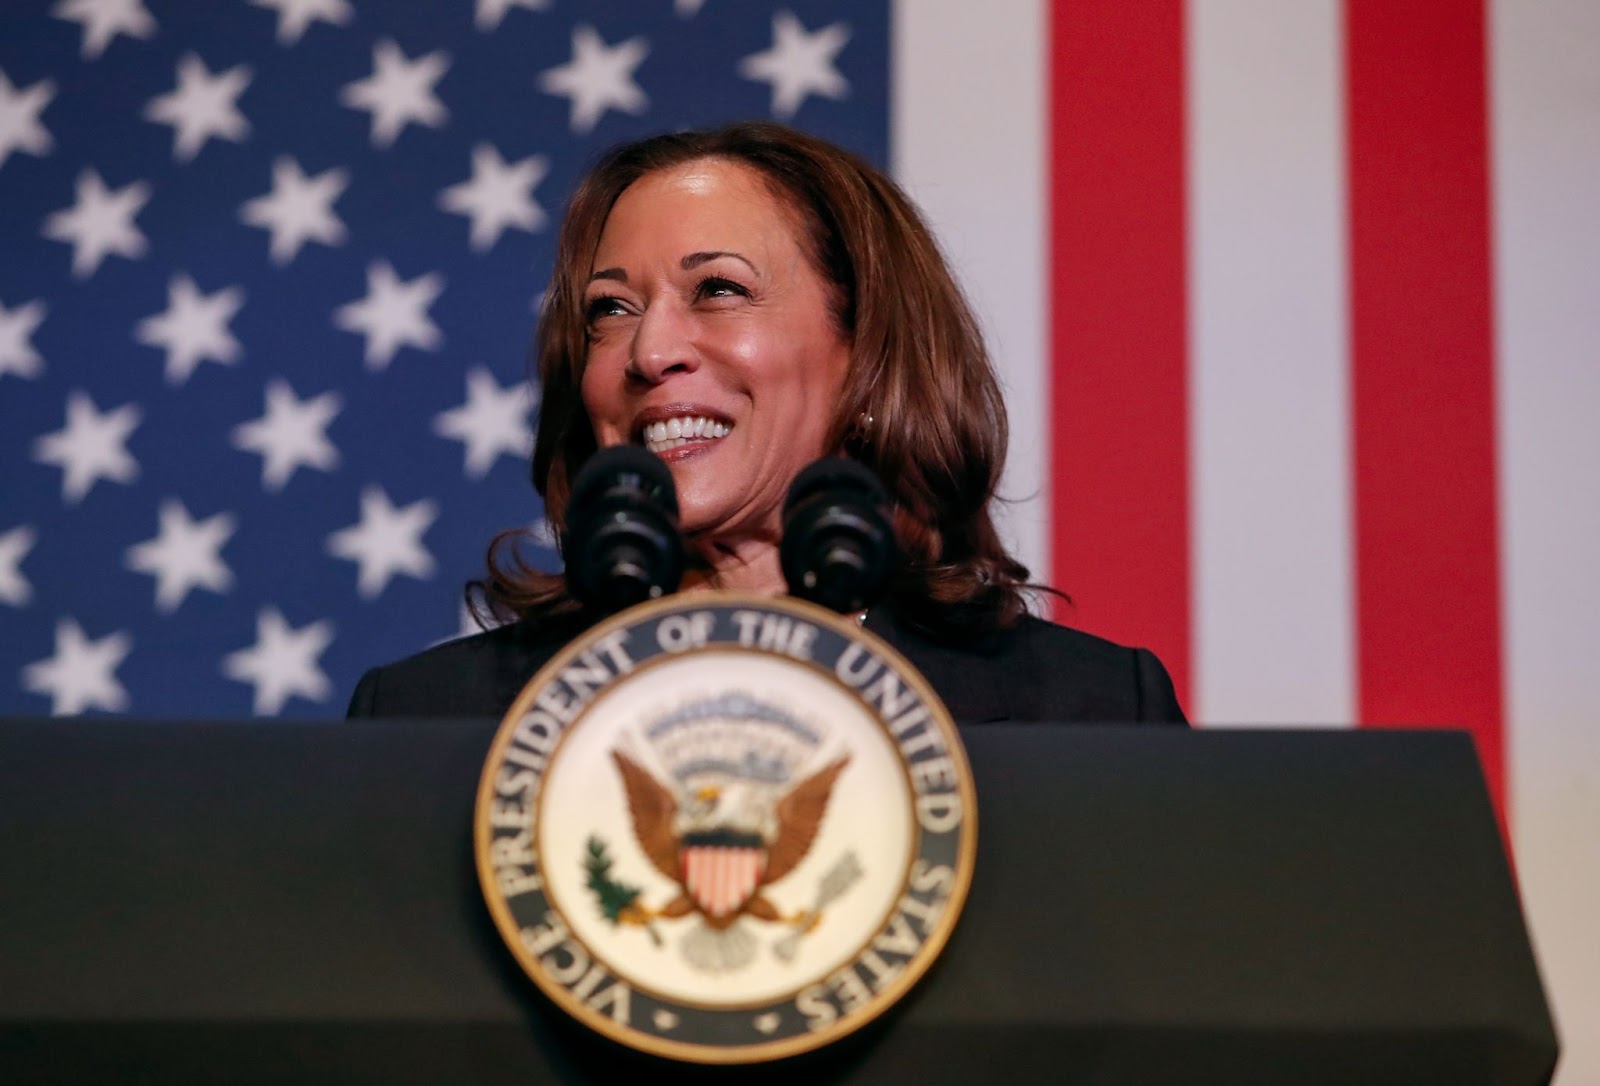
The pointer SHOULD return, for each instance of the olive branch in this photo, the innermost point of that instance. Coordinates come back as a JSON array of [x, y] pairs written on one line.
[[617, 900]]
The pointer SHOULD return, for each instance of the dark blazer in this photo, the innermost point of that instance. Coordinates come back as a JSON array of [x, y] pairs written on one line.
[[1036, 672]]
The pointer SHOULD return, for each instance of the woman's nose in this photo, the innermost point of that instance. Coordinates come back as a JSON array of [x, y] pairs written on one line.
[[663, 344]]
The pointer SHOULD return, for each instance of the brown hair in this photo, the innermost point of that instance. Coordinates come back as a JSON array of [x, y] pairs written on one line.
[[919, 372]]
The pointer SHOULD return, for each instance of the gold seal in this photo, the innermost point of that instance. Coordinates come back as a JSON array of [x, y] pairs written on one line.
[[726, 829]]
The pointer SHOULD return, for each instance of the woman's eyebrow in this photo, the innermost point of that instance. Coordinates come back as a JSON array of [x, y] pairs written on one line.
[[688, 263], [694, 260]]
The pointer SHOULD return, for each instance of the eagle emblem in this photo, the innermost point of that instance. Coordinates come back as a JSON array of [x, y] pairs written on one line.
[[727, 827]]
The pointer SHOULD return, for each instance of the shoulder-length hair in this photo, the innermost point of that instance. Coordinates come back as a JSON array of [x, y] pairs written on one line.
[[921, 405]]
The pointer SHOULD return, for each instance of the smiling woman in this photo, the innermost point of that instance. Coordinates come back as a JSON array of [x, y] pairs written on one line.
[[742, 302], [780, 287], [706, 314]]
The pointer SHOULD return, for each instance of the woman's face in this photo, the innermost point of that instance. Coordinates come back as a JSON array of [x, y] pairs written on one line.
[[712, 342]]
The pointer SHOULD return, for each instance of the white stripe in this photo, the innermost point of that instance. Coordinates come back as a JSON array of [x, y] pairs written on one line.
[[1545, 124], [718, 883], [1273, 627], [968, 141]]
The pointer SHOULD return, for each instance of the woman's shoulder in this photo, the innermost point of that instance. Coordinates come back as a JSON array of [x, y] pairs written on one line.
[[1041, 633], [1038, 670], [1089, 676], [475, 676]]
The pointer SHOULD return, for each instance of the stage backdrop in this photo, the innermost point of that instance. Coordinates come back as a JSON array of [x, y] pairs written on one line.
[[1297, 305]]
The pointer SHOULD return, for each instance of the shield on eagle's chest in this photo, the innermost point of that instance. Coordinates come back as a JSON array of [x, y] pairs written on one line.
[[721, 876]]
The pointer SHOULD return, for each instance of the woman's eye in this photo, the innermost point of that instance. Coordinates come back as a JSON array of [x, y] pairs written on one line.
[[604, 307], [715, 287]]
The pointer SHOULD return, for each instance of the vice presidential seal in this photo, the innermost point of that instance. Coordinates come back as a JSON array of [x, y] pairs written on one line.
[[726, 829]]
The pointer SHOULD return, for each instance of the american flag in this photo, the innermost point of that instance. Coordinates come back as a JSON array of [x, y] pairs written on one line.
[[271, 271], [1297, 303]]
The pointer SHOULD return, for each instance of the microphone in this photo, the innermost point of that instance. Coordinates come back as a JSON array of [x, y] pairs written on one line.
[[622, 545], [838, 547]]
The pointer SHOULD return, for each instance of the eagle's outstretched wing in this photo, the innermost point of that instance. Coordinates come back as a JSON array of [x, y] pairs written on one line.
[[799, 815], [651, 804]]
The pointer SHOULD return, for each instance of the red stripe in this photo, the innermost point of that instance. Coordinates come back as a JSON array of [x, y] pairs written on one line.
[[1427, 566], [1119, 476]]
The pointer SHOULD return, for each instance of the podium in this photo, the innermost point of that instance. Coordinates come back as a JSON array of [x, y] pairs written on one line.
[[285, 902]]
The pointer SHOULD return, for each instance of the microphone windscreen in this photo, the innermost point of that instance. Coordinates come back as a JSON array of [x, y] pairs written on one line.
[[835, 473], [838, 544], [628, 464], [621, 544]]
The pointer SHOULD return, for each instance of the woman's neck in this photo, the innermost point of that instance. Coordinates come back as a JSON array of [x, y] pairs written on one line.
[[751, 566]]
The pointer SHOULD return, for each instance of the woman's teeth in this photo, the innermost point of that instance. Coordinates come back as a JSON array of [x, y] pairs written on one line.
[[670, 433]]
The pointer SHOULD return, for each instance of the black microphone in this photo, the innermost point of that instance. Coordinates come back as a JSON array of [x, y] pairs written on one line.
[[622, 545], [838, 546]]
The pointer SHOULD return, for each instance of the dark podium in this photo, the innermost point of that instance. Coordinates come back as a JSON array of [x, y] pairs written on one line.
[[242, 903]]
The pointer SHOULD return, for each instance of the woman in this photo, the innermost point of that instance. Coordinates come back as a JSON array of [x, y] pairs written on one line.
[[743, 301]]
